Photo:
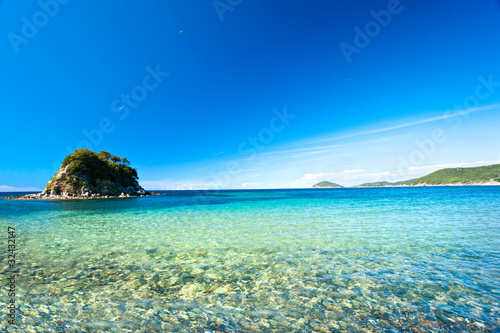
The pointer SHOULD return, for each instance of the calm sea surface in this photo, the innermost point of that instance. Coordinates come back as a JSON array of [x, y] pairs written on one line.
[[325, 260]]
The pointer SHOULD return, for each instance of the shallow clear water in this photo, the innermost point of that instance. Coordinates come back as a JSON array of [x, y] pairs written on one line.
[[323, 260]]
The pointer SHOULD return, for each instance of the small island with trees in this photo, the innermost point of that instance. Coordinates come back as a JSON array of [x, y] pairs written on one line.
[[326, 184], [85, 174]]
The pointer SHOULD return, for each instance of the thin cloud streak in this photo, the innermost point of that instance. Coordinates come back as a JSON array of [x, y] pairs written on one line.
[[324, 149], [267, 163], [5, 188], [405, 124]]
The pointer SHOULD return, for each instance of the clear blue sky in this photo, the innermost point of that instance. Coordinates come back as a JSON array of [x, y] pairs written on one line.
[[67, 67]]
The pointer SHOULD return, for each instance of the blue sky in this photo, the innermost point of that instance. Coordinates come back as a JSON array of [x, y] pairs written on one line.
[[249, 94]]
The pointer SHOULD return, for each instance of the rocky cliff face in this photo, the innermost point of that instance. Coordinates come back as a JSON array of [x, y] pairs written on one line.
[[86, 174], [66, 184]]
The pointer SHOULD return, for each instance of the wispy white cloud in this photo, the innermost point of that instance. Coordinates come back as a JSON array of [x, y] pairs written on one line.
[[429, 120], [250, 185], [267, 173], [315, 157], [408, 123], [179, 184], [5, 188], [322, 149]]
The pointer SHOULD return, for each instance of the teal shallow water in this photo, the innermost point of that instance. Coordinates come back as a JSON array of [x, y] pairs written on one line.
[[368, 260]]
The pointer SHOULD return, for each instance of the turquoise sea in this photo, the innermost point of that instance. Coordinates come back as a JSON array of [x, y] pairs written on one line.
[[322, 260]]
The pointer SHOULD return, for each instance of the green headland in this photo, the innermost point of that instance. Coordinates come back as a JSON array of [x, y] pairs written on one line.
[[483, 175]]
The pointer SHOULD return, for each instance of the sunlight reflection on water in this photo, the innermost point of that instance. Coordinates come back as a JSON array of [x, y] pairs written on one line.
[[261, 261]]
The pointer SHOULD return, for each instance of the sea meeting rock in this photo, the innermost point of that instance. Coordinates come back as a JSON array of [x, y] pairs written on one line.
[[89, 175]]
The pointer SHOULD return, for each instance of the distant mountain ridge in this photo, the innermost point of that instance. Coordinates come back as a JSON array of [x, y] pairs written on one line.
[[384, 183], [482, 175]]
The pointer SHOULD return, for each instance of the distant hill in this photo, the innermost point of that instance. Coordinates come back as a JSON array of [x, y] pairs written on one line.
[[483, 175], [381, 184], [327, 185], [461, 176]]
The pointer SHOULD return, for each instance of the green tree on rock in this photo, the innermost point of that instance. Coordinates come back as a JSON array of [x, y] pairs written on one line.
[[105, 155]]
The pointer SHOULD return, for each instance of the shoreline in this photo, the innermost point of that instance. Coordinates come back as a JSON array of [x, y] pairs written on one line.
[[419, 185], [40, 196], [435, 185]]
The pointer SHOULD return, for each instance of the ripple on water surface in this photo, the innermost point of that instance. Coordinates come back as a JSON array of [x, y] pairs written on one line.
[[261, 261]]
